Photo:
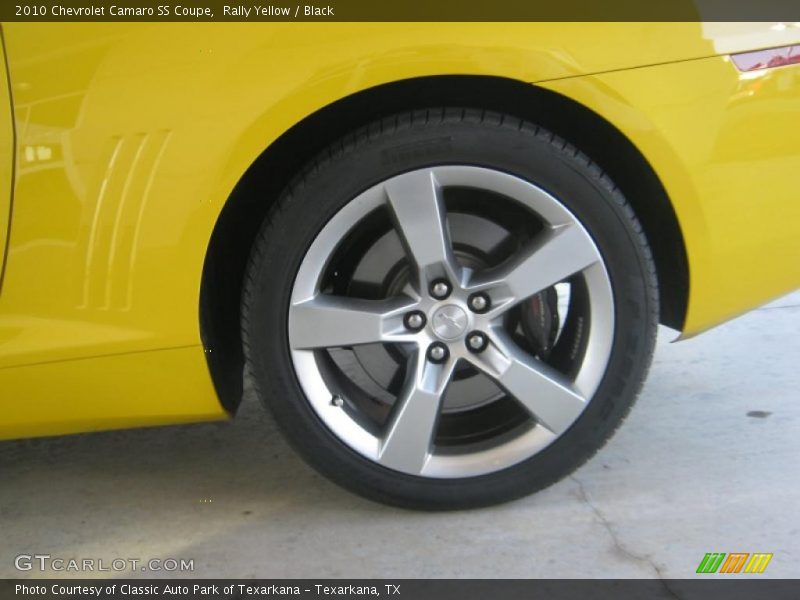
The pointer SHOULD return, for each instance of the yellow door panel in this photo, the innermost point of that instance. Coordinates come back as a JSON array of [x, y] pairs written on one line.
[[6, 159]]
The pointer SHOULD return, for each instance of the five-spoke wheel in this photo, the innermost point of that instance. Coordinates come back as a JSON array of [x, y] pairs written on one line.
[[445, 311], [449, 312]]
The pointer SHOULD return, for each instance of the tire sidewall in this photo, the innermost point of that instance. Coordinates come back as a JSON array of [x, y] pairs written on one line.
[[330, 183]]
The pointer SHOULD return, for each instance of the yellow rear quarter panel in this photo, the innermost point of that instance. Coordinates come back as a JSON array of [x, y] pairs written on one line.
[[131, 137], [725, 145]]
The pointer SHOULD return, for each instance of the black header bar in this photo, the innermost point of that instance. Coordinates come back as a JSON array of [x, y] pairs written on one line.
[[787, 11]]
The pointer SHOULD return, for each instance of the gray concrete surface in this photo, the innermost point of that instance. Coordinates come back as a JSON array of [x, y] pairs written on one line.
[[707, 461]]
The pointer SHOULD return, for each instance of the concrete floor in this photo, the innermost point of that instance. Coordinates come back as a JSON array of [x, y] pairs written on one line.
[[708, 461]]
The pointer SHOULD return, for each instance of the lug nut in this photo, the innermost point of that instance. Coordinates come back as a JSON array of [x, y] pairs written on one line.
[[414, 321], [479, 302], [477, 341], [440, 289], [437, 352]]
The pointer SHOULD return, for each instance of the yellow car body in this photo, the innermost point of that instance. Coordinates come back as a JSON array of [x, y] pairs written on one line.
[[122, 144]]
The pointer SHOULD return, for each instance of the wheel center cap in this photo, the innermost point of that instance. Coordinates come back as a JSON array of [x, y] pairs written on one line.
[[449, 322]]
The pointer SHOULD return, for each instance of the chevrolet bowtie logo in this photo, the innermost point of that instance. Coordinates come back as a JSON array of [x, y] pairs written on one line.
[[452, 320]]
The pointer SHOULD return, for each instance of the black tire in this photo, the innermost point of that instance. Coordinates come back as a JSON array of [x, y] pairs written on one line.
[[434, 137]]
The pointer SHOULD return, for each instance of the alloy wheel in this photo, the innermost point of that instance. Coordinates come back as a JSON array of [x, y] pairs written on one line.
[[451, 321]]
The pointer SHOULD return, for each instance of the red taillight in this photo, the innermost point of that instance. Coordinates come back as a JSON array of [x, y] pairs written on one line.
[[767, 59]]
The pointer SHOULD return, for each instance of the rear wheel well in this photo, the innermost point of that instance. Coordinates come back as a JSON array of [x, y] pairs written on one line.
[[244, 211]]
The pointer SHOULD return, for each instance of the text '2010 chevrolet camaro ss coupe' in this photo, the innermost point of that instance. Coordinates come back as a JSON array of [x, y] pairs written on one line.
[[438, 252]]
